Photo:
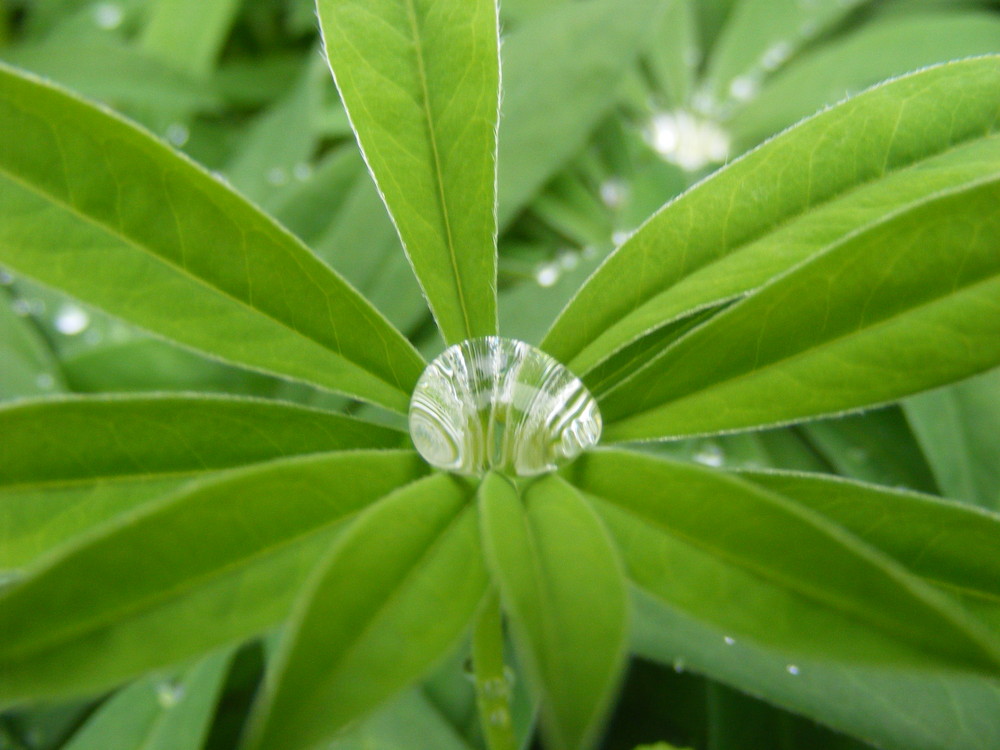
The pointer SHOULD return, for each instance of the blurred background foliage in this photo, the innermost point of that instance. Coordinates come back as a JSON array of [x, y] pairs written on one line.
[[611, 108]]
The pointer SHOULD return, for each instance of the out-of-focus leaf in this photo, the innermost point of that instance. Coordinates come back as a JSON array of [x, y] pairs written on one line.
[[393, 596], [693, 536], [958, 428], [858, 60], [159, 712], [560, 71], [205, 267], [889, 707], [410, 722], [29, 369], [420, 81], [188, 34], [924, 135], [552, 559], [219, 560]]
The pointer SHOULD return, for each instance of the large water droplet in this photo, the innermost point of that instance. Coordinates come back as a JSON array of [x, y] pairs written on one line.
[[71, 320], [500, 404]]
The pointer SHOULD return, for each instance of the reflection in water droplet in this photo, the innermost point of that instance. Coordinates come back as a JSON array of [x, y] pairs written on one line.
[[792, 669], [108, 16], [710, 454], [169, 693], [500, 404], [71, 320]]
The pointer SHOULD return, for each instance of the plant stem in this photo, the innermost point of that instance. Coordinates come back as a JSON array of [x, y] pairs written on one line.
[[493, 688]]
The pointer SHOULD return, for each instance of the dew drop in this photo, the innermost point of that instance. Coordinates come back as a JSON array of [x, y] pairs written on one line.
[[547, 274], [277, 176], [108, 16], [5, 278], [729, 640], [71, 320], [775, 55], [614, 192], [688, 140], [792, 669], [21, 307], [744, 88], [679, 665], [45, 381], [502, 405], [568, 260], [169, 693], [178, 134], [302, 171], [496, 687], [620, 237], [499, 717], [710, 454]]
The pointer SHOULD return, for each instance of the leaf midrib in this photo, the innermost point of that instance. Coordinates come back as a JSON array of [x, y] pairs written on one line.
[[106, 618], [438, 172], [800, 588], [184, 271]]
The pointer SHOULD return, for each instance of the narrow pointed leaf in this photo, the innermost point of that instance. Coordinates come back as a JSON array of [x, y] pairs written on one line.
[[420, 80], [692, 536], [56, 441], [159, 712], [219, 560], [562, 587], [816, 184], [94, 206], [908, 305], [392, 598]]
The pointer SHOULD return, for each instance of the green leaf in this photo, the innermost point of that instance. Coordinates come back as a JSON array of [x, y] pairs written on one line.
[[393, 596], [410, 722], [188, 34], [79, 439], [158, 713], [29, 369], [861, 59], [219, 560], [420, 81], [951, 546], [692, 536], [209, 270], [957, 428], [560, 71], [552, 560], [907, 305], [814, 186], [888, 707]]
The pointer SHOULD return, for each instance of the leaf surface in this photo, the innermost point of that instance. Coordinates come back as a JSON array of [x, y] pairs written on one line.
[[420, 80], [219, 560], [94, 206], [552, 560], [393, 596]]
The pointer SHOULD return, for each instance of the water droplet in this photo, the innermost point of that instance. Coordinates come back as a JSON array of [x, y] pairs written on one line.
[[45, 381], [729, 640], [500, 404], [679, 665], [792, 669], [688, 140], [108, 16], [302, 171], [71, 320], [500, 717], [169, 693], [710, 454], [21, 307], [744, 88], [620, 237], [178, 134], [614, 192], [496, 687], [776, 54], [277, 176], [547, 274], [568, 260]]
